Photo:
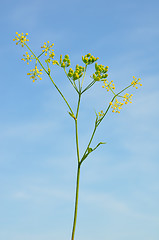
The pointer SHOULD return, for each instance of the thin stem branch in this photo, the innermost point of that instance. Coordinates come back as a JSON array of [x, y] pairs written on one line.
[[73, 83], [50, 78], [88, 86], [112, 101], [95, 128], [61, 94], [83, 76], [99, 121]]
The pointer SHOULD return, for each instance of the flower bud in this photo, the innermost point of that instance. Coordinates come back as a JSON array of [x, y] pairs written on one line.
[[60, 58]]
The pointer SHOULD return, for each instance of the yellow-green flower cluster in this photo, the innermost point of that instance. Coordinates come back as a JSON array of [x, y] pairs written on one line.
[[108, 85], [116, 105], [101, 113], [101, 72], [77, 73], [27, 58], [21, 38], [127, 98], [89, 59], [48, 49], [34, 73], [51, 56], [135, 82], [65, 62], [55, 62]]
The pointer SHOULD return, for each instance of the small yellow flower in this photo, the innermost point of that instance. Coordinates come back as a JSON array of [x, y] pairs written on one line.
[[89, 59], [101, 113], [55, 62], [34, 73], [108, 85], [27, 58], [21, 39], [47, 48], [101, 72], [116, 106], [127, 98], [135, 82]]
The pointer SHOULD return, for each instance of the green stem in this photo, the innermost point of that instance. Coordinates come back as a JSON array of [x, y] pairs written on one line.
[[89, 143], [50, 78], [112, 101], [89, 85], [40, 54], [36, 57], [99, 121], [73, 84], [76, 203], [78, 171], [61, 94], [84, 75]]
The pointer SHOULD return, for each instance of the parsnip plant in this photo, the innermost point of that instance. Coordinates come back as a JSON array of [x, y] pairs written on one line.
[[76, 79]]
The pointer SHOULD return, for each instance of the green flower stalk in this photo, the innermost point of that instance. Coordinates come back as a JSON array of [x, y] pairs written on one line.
[[76, 78]]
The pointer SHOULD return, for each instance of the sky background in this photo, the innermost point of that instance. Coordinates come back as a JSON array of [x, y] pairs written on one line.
[[119, 184]]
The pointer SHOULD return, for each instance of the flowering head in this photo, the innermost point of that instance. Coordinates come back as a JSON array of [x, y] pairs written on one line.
[[101, 72], [127, 98], [21, 38], [108, 85], [65, 62], [117, 106], [27, 58], [34, 73], [77, 73], [135, 82], [89, 59], [101, 113], [47, 48]]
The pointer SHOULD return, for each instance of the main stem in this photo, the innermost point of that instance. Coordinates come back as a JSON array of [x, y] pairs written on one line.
[[78, 171], [76, 202]]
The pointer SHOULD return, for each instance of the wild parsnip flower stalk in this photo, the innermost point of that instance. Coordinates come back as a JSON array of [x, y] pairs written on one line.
[[76, 78]]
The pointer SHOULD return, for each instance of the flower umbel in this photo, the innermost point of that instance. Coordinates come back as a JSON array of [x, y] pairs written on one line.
[[77, 73], [65, 62], [47, 49], [108, 85], [116, 106], [34, 73], [21, 38], [89, 59], [101, 72], [135, 82], [27, 58], [127, 98], [101, 113]]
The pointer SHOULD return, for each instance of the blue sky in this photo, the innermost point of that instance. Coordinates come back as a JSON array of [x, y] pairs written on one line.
[[119, 185]]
